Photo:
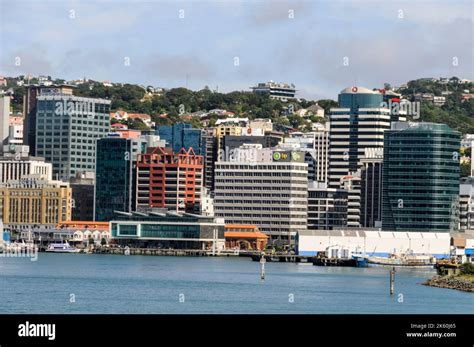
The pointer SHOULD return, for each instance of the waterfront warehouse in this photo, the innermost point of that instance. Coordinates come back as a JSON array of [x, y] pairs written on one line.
[[374, 242]]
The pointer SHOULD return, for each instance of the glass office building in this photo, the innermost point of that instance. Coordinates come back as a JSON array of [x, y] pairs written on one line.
[[114, 177], [182, 136], [165, 229], [421, 178]]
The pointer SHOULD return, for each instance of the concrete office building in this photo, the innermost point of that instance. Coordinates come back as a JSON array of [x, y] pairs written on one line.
[[466, 204], [210, 157], [371, 188], [4, 121], [327, 207], [270, 193], [421, 178], [14, 168], [223, 130], [67, 128], [352, 184], [34, 201], [280, 91], [30, 99], [316, 147]]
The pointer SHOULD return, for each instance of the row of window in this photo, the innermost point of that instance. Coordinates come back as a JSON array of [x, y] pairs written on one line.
[[258, 202], [274, 188]]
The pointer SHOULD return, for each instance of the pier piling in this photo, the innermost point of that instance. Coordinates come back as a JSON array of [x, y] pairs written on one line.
[[392, 280], [262, 261]]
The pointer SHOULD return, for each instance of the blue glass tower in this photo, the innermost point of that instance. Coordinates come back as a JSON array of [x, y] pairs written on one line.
[[182, 135]]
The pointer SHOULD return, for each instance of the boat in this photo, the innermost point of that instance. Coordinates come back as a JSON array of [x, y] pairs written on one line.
[[340, 256], [61, 248], [404, 259], [325, 261], [362, 260]]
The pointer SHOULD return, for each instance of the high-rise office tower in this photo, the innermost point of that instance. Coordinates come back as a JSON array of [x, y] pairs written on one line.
[[29, 114], [114, 188], [116, 173], [30, 99], [358, 123], [421, 178], [210, 157], [371, 188], [169, 180], [266, 188], [67, 128]]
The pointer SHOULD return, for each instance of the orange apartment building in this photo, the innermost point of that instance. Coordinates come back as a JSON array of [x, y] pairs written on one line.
[[169, 180]]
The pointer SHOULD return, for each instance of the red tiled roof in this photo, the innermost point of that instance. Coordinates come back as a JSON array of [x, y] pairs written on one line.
[[245, 235], [240, 226]]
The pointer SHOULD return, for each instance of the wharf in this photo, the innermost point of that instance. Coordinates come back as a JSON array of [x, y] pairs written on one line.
[[160, 252], [282, 258]]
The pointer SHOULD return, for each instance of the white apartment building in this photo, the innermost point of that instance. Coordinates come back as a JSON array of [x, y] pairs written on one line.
[[270, 193], [280, 91], [13, 169]]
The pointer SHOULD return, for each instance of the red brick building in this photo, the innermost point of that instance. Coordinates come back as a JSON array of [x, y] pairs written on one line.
[[169, 180]]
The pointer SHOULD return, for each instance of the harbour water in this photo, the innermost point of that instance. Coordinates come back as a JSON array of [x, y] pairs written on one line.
[[87, 283]]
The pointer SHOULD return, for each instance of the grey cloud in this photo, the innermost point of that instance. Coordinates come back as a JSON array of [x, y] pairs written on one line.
[[268, 12], [33, 59]]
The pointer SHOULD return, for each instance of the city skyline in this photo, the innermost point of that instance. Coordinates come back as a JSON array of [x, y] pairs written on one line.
[[238, 43]]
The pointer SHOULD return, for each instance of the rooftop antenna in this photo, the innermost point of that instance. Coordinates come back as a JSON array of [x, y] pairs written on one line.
[[187, 81]]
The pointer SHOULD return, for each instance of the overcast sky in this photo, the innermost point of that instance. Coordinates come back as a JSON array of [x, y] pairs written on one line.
[[322, 46]]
